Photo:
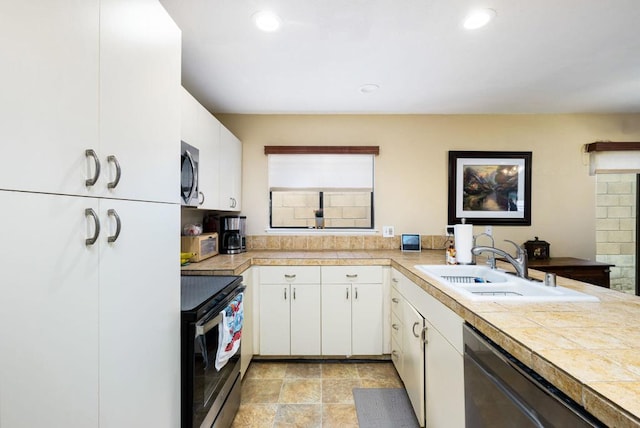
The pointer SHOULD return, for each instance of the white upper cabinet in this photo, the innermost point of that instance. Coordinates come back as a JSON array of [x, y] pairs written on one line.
[[139, 100], [220, 176], [94, 75], [49, 81], [230, 171], [202, 130]]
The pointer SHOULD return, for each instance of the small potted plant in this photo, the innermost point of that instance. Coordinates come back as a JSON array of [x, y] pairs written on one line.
[[319, 218]]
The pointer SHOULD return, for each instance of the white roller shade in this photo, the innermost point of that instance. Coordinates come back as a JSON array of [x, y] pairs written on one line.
[[614, 162], [321, 172]]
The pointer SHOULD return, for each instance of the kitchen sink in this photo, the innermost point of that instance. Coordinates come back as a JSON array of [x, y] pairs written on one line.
[[485, 284]]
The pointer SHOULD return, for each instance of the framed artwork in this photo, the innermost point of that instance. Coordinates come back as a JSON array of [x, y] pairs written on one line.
[[490, 188]]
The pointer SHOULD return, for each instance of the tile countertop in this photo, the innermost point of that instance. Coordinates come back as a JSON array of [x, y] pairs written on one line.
[[590, 351]]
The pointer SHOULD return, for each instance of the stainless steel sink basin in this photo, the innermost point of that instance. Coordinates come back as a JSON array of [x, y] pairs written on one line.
[[483, 283]]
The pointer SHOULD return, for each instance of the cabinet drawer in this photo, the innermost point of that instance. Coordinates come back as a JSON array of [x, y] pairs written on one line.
[[352, 274], [396, 302], [290, 274], [396, 330], [397, 357], [397, 279]]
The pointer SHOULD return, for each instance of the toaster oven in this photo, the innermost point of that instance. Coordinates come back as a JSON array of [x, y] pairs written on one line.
[[202, 246]]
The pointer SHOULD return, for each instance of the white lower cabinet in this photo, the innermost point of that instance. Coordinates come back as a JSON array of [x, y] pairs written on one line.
[[352, 310], [289, 310], [413, 358], [445, 382], [87, 328], [396, 331], [408, 346], [313, 310], [429, 362]]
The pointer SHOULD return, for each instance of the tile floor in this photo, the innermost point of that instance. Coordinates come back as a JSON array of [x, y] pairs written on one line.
[[308, 394]]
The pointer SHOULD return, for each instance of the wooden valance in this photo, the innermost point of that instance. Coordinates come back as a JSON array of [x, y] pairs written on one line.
[[611, 146], [322, 150]]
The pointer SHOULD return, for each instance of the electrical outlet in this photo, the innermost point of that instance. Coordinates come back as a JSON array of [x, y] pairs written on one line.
[[387, 232], [449, 230], [488, 230]]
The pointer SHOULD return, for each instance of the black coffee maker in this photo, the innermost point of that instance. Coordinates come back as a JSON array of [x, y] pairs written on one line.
[[232, 231]]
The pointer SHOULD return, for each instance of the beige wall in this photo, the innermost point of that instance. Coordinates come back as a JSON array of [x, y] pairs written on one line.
[[411, 170]]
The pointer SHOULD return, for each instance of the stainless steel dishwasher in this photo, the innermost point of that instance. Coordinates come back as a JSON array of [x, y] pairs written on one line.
[[500, 391]]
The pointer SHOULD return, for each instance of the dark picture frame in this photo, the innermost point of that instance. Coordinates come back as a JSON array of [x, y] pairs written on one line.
[[490, 188]]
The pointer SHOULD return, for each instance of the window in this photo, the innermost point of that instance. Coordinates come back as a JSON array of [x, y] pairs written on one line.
[[309, 190]]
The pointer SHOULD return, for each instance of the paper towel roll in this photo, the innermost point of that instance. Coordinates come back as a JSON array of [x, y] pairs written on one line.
[[464, 241]]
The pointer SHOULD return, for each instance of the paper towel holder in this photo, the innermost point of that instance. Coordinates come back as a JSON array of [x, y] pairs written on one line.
[[463, 238]]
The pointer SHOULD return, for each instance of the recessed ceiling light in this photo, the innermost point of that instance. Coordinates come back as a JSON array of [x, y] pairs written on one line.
[[479, 18], [369, 88], [266, 21]]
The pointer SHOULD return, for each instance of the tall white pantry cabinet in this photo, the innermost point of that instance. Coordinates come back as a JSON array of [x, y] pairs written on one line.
[[89, 331]]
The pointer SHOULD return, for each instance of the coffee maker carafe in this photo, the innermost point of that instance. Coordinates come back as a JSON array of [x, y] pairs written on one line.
[[232, 229]]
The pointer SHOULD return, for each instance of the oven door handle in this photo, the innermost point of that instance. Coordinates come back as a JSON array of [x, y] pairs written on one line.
[[207, 324], [202, 328]]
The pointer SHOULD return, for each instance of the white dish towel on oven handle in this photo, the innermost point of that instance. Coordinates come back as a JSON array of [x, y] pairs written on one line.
[[230, 331]]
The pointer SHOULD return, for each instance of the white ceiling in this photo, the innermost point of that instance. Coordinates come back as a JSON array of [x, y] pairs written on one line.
[[536, 56]]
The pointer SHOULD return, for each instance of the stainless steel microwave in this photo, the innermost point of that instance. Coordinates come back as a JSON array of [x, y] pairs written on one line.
[[189, 159]]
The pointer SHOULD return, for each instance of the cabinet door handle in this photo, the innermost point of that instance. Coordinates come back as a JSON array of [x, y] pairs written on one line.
[[352, 275], [201, 202], [394, 280], [115, 215], [347, 293], [285, 293], [395, 300], [356, 293], [413, 329], [92, 154], [96, 221], [394, 353], [290, 275], [395, 327], [423, 335], [294, 293], [114, 183]]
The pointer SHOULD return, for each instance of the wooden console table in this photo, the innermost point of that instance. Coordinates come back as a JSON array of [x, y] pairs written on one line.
[[579, 269]]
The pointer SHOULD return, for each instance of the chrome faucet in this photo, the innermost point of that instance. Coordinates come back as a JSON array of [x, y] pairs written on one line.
[[491, 261], [520, 262]]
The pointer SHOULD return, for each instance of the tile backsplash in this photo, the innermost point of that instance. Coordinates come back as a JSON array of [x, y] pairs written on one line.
[[336, 242]]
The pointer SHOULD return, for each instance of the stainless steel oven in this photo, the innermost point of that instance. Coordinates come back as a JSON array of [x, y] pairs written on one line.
[[210, 397], [189, 164], [501, 392]]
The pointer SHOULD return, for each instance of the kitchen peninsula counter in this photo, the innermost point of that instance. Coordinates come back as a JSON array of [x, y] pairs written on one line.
[[589, 350]]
